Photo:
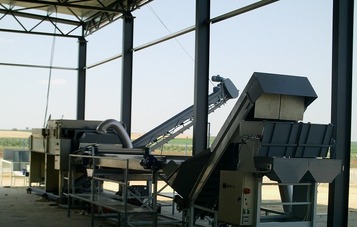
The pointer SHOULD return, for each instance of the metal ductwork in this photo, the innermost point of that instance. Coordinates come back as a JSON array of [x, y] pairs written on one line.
[[118, 128]]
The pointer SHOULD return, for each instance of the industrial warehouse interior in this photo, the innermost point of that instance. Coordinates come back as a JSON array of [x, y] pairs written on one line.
[[217, 150]]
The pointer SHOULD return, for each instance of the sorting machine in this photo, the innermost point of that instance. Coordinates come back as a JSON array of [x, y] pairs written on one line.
[[51, 146], [262, 136]]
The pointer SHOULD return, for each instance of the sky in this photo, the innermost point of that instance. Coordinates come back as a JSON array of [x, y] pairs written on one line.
[[292, 37]]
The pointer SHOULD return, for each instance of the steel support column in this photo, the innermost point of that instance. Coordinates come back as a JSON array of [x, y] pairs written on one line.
[[81, 83], [342, 50], [127, 70], [202, 41]]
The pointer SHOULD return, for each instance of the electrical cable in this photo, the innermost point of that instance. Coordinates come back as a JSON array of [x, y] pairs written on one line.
[[179, 43], [50, 71]]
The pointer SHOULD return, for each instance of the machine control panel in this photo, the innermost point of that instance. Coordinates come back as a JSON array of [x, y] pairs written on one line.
[[236, 198]]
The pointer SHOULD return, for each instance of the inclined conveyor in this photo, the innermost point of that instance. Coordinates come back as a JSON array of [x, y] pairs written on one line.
[[182, 121]]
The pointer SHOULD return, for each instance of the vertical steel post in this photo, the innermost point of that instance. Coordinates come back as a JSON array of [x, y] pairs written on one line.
[[81, 83], [342, 51], [202, 42], [127, 70]]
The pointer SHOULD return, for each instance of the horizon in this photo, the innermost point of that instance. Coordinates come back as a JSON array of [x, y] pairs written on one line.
[[133, 136]]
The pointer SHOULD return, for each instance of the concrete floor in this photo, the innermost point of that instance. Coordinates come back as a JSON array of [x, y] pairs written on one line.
[[21, 209], [17, 208]]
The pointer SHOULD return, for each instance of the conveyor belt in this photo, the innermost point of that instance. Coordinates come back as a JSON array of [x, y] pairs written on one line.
[[224, 91]]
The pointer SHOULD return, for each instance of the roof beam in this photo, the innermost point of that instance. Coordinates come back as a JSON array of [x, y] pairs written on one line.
[[40, 17], [40, 33], [71, 5]]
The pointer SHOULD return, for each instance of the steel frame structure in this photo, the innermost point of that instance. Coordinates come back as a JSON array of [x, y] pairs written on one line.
[[82, 18], [341, 106]]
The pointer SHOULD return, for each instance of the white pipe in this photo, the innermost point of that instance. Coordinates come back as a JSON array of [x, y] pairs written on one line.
[[118, 128]]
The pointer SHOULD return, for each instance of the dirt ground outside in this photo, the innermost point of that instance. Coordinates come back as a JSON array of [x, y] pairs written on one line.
[[14, 134]]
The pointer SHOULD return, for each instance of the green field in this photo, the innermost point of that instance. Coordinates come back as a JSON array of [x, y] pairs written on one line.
[[354, 149], [353, 154], [14, 144]]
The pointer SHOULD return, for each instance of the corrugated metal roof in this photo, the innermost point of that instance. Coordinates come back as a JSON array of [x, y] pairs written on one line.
[[92, 14]]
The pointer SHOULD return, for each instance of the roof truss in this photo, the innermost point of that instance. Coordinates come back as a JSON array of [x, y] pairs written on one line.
[[70, 18]]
